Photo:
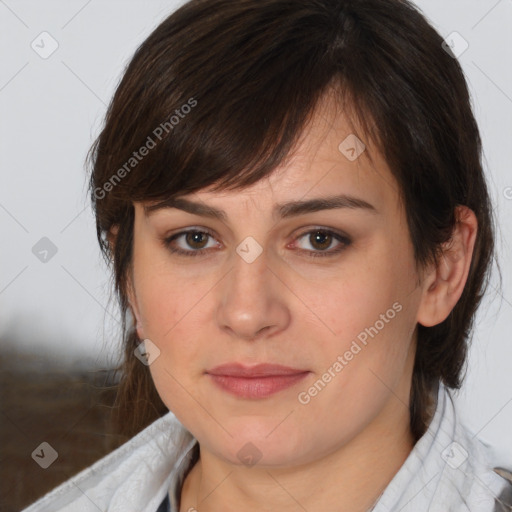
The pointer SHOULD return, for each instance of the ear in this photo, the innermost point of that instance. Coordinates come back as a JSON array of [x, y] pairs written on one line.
[[444, 283], [112, 237], [130, 290], [132, 299]]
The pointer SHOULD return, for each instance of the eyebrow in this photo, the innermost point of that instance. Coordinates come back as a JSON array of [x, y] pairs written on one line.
[[286, 210]]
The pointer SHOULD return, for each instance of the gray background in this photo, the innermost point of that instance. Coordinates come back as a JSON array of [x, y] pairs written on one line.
[[52, 108]]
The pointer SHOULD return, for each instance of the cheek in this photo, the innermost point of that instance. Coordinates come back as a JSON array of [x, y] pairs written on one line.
[[365, 295], [167, 303], [170, 316], [171, 321], [364, 366], [370, 315], [158, 304], [166, 297]]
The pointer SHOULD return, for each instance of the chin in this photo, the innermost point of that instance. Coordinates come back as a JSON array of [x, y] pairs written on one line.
[[263, 444]]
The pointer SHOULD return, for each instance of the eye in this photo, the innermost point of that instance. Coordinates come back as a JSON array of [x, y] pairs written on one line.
[[323, 239], [195, 239], [195, 242]]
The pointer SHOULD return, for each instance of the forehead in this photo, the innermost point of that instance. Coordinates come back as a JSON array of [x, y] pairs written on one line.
[[334, 154], [332, 157]]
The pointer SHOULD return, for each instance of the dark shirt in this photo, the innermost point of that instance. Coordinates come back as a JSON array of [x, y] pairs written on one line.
[[165, 506]]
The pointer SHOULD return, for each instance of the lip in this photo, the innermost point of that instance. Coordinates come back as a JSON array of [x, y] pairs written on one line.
[[256, 382], [259, 370]]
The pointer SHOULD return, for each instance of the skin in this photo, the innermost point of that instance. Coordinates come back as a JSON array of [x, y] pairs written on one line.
[[289, 308]]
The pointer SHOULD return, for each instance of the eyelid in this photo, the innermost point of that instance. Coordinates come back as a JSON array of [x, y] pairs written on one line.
[[168, 239], [331, 231], [343, 239]]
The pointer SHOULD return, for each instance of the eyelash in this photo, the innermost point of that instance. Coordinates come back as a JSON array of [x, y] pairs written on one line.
[[345, 241]]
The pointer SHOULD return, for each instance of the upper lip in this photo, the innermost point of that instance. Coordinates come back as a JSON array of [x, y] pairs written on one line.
[[259, 370]]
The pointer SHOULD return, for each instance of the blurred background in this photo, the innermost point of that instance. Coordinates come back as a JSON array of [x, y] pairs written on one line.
[[59, 325]]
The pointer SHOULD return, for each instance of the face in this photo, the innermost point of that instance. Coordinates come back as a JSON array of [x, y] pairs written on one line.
[[329, 291]]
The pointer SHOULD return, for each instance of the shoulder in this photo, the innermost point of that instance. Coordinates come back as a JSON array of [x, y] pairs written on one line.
[[486, 479], [466, 472]]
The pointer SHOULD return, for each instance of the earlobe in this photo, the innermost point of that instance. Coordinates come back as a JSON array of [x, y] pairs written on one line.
[[112, 237], [444, 283]]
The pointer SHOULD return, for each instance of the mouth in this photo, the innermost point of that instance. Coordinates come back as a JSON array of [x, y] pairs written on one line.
[[255, 382]]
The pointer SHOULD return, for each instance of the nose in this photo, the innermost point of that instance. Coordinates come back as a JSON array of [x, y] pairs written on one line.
[[252, 300]]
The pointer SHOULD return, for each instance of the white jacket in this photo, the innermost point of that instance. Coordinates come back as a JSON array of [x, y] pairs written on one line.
[[448, 470]]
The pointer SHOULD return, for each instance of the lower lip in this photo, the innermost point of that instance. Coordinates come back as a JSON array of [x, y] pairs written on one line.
[[256, 387]]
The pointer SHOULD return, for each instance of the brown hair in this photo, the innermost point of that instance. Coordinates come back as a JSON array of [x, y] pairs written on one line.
[[251, 73]]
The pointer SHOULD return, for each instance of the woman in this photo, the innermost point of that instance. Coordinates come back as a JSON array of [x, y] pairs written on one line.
[[292, 199]]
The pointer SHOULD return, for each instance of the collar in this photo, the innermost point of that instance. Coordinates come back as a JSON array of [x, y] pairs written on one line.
[[448, 469]]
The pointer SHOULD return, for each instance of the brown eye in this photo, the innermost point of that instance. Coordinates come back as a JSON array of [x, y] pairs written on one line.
[[196, 239], [190, 243], [320, 240]]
